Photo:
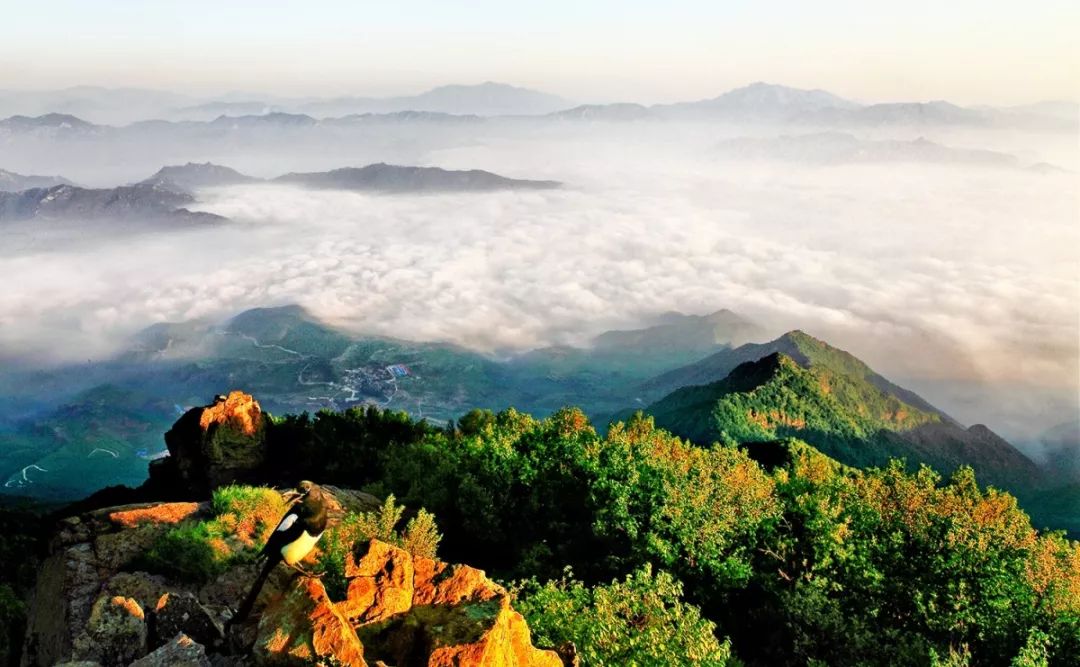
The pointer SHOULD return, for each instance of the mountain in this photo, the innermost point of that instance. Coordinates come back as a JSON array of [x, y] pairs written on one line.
[[392, 178], [402, 117], [918, 113], [692, 334], [12, 182], [210, 110], [485, 99], [803, 348], [759, 101], [843, 148], [620, 112], [102, 105], [50, 124], [798, 386], [274, 120], [192, 176], [130, 203]]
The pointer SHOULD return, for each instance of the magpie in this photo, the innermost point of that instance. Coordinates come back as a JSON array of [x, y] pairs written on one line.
[[295, 536]]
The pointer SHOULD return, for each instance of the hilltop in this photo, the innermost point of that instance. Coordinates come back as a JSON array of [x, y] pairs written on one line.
[[798, 386]]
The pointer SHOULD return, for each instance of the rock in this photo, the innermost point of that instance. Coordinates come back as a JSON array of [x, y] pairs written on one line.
[[115, 634], [116, 550], [473, 634], [305, 628], [182, 614], [212, 446], [439, 583], [78, 663], [380, 580], [146, 589], [182, 651], [341, 501], [160, 513]]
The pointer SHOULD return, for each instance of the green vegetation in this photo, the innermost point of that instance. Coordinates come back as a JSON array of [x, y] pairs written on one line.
[[199, 550], [641, 620], [776, 397], [797, 559], [420, 538]]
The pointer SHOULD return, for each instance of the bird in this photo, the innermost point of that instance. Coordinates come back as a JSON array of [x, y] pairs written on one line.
[[292, 540]]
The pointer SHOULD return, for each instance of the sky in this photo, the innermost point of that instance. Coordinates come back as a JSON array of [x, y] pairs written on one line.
[[964, 50]]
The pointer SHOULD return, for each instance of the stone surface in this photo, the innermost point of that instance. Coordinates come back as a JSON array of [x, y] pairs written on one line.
[[181, 613], [115, 634], [162, 513], [439, 583], [305, 628], [146, 589], [218, 444], [474, 634], [181, 651], [380, 580]]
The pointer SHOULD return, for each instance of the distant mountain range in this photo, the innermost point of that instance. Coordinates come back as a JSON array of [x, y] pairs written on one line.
[[756, 103], [12, 182], [391, 178], [130, 203], [842, 148], [164, 196]]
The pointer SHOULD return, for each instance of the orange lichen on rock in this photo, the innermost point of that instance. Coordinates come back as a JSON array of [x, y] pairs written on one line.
[[452, 584], [129, 605], [380, 582], [164, 513], [305, 628], [239, 410]]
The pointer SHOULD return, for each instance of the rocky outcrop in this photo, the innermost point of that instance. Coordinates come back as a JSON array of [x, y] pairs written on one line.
[[401, 610], [305, 628], [182, 651], [94, 606], [211, 446]]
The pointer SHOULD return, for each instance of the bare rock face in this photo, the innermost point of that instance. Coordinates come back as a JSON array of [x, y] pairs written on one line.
[[306, 628], [214, 445], [404, 610], [380, 583], [182, 651]]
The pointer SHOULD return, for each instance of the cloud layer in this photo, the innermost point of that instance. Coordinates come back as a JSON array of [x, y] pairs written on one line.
[[937, 276]]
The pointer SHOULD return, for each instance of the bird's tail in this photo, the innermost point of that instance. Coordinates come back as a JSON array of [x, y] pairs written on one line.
[[253, 594]]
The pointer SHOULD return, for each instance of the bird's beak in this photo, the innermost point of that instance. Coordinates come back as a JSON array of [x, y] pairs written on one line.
[[290, 496]]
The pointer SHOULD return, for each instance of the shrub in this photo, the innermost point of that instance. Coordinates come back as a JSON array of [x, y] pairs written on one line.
[[641, 620], [420, 538]]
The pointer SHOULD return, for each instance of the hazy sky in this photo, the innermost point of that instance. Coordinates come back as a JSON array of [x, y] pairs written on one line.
[[965, 50]]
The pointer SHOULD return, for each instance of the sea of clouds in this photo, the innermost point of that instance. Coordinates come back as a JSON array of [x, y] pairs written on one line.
[[960, 282]]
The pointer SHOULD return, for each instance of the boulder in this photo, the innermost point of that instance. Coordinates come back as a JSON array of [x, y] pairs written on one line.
[[181, 651], [305, 628], [474, 634], [115, 634], [439, 583], [182, 614], [146, 589], [215, 445], [380, 582]]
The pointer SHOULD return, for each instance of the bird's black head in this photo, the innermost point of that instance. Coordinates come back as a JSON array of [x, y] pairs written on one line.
[[303, 490]]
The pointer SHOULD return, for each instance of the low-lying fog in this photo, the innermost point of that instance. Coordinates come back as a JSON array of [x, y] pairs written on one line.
[[959, 281]]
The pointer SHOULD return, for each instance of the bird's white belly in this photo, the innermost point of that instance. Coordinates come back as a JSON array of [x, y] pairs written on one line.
[[294, 552]]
